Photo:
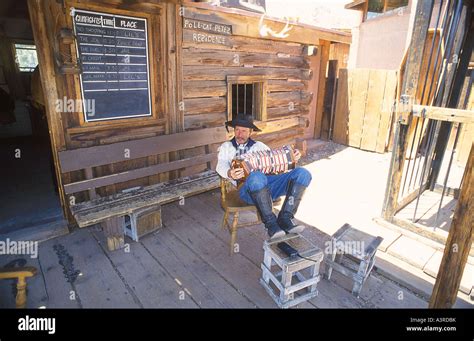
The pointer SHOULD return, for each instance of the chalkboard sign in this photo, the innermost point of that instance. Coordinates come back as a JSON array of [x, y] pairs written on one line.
[[113, 52]]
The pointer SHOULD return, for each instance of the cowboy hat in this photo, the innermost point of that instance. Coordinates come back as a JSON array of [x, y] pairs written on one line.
[[242, 120]]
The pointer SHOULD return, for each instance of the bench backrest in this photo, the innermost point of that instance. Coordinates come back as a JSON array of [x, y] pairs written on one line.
[[86, 158]]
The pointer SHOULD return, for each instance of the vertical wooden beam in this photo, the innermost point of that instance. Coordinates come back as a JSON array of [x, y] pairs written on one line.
[[179, 65], [424, 9], [172, 47], [315, 64], [89, 175], [458, 244], [43, 41], [329, 100], [324, 52], [113, 231]]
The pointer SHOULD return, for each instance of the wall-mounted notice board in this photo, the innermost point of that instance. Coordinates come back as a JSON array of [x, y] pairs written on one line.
[[113, 52]]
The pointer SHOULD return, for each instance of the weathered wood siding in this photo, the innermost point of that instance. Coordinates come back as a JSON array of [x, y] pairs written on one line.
[[206, 66], [75, 132], [364, 108]]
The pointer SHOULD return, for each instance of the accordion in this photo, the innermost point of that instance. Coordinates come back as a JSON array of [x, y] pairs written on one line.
[[273, 161]]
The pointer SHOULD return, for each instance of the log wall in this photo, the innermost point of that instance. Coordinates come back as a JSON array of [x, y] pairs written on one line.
[[208, 62]]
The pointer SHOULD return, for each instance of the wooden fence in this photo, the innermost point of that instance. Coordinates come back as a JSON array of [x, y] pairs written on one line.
[[364, 106]]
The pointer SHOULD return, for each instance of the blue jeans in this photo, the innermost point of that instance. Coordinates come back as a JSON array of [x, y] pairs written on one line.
[[277, 184]]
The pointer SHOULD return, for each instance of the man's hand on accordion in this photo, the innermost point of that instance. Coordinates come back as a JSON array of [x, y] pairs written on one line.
[[236, 173], [297, 155]]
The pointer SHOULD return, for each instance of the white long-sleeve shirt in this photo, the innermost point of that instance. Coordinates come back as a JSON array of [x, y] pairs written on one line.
[[227, 152]]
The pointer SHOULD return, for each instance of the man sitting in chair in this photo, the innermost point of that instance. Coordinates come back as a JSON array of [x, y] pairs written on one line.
[[260, 189]]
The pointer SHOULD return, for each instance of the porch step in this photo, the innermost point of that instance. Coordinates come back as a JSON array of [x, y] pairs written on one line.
[[413, 278], [412, 235], [416, 261], [40, 232]]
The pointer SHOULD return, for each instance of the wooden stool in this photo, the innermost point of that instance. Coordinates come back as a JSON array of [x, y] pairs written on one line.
[[352, 253], [289, 267]]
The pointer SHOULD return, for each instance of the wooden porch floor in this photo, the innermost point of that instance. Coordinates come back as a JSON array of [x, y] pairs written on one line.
[[186, 264]]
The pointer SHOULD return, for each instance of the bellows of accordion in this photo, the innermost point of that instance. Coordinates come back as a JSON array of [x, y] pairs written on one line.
[[273, 161]]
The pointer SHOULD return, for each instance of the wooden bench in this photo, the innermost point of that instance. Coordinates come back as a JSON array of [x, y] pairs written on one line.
[[110, 210]]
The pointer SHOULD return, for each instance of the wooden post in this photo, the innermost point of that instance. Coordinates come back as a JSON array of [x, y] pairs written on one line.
[[328, 99], [323, 50], [20, 300], [173, 87], [315, 64], [424, 9], [42, 37], [113, 230], [20, 274], [458, 244]]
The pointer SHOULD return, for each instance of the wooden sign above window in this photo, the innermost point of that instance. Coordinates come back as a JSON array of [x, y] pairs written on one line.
[[206, 32], [206, 26]]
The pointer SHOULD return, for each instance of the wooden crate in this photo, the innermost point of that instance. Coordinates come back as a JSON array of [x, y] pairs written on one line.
[[142, 222], [288, 273]]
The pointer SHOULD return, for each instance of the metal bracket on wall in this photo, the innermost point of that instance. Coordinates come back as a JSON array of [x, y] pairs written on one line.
[[404, 109]]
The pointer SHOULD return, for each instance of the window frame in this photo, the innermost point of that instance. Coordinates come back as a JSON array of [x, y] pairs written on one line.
[[261, 105], [14, 49]]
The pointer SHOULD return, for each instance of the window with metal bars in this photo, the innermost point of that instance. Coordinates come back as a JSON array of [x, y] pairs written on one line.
[[247, 95]]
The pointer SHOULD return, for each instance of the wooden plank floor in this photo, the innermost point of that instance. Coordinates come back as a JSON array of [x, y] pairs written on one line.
[[186, 264]]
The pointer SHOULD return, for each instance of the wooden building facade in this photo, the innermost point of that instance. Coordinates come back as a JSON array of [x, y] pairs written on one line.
[[203, 65]]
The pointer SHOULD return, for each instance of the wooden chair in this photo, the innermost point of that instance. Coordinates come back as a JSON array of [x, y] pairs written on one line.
[[232, 204], [21, 274]]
